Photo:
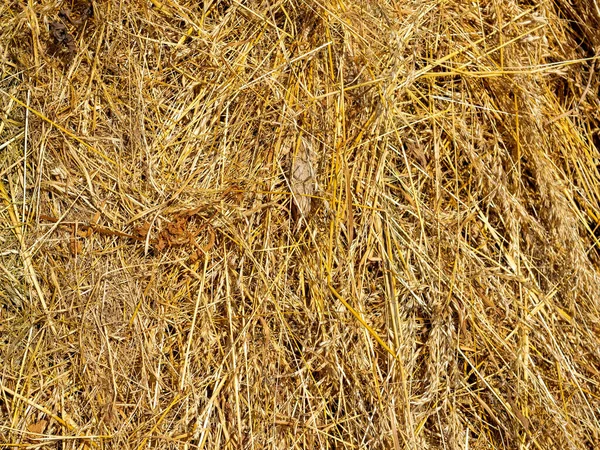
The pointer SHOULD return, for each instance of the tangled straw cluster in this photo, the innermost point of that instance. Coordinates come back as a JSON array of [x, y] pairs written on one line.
[[299, 224]]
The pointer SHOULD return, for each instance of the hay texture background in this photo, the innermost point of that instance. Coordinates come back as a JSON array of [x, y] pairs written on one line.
[[299, 224]]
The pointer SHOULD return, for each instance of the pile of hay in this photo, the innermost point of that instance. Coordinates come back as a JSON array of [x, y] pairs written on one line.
[[299, 224]]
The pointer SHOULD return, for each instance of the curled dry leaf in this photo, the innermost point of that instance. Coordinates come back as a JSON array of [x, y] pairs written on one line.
[[142, 231], [181, 231]]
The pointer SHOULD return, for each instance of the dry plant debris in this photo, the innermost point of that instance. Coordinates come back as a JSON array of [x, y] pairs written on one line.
[[299, 224]]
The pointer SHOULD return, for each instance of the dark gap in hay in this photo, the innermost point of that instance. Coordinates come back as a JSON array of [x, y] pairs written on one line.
[[583, 19]]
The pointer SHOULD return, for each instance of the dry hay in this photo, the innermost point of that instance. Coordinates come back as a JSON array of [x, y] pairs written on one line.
[[298, 224]]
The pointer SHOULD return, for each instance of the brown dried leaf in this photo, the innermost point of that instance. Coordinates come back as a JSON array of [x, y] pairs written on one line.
[[96, 218], [177, 228], [161, 243], [190, 212], [84, 232], [194, 257], [143, 230], [62, 37], [37, 427], [211, 240], [75, 246], [302, 179]]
